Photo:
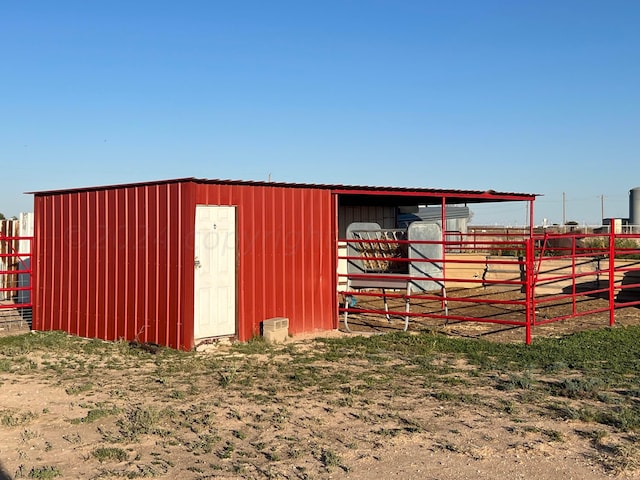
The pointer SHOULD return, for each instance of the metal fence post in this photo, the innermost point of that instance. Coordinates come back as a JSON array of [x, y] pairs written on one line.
[[612, 275], [529, 288]]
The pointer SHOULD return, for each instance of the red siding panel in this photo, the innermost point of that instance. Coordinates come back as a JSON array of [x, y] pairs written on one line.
[[117, 262], [286, 260], [109, 263]]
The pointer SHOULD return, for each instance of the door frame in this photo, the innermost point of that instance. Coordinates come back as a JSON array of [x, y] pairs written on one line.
[[236, 262]]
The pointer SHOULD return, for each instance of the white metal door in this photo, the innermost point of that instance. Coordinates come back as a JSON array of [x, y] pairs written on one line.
[[215, 271]]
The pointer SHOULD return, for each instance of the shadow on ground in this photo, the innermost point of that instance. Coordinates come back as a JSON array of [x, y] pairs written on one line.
[[4, 475]]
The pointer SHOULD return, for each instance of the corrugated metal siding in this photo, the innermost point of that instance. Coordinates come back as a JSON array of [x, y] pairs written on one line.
[[118, 262], [286, 258], [382, 215], [110, 263]]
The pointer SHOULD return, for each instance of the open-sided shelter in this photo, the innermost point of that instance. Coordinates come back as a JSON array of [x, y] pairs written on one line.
[[179, 262]]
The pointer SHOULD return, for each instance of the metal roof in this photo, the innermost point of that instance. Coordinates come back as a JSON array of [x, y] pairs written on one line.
[[355, 193]]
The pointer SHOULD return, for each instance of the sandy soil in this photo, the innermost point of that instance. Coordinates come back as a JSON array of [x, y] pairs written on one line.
[[257, 425], [452, 443]]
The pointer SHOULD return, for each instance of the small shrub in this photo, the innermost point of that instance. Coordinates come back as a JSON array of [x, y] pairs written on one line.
[[621, 458], [94, 415], [203, 445], [623, 418], [553, 435], [517, 382], [5, 365], [13, 419], [45, 473], [272, 456], [445, 396], [105, 454], [177, 394], [596, 436], [139, 421], [27, 435], [578, 387], [228, 375], [330, 459], [227, 451], [85, 387]]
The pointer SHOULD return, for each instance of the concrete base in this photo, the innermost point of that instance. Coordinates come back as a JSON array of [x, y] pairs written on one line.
[[275, 330]]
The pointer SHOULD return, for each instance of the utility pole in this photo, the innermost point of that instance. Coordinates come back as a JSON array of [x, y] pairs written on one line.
[[602, 208], [564, 209]]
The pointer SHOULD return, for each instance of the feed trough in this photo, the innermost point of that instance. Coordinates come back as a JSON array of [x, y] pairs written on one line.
[[382, 259]]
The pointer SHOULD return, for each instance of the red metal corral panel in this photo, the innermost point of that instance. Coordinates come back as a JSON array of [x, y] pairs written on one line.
[[286, 258], [110, 263]]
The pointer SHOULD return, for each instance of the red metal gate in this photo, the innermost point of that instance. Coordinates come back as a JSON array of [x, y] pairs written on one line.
[[572, 269], [15, 282], [510, 278]]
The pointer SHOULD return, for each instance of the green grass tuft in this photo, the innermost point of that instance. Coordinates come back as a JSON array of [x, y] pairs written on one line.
[[44, 473], [105, 454]]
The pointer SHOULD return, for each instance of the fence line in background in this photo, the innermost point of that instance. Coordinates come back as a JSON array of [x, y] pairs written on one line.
[[16, 308]]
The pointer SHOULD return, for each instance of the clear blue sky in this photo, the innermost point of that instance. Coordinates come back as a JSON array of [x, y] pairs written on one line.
[[528, 96]]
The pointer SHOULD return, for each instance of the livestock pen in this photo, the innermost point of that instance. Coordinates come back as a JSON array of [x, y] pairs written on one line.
[[186, 262], [513, 279]]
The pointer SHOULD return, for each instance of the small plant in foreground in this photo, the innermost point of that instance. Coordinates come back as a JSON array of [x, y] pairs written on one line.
[[44, 473], [11, 419], [227, 451], [625, 418], [94, 414], [518, 382], [330, 459], [621, 458], [74, 390], [139, 421], [596, 436], [553, 435], [579, 387], [104, 454], [228, 375], [27, 435]]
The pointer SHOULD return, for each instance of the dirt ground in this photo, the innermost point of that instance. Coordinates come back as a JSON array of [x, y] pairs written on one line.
[[105, 415]]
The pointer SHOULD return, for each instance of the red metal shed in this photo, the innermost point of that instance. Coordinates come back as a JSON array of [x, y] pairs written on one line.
[[179, 261]]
